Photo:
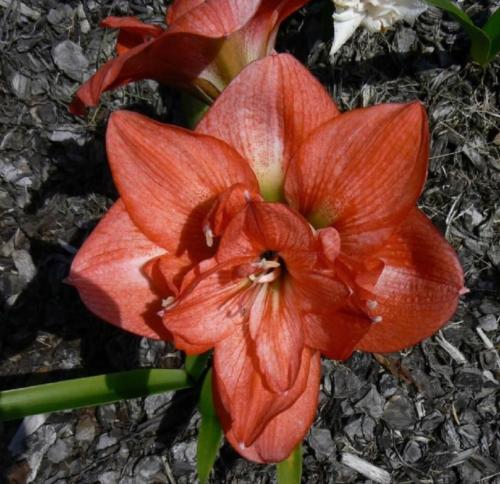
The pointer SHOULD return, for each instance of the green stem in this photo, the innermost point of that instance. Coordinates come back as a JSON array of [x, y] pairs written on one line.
[[290, 470], [195, 365], [89, 391]]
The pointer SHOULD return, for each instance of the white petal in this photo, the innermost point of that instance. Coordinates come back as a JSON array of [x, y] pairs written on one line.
[[343, 31]]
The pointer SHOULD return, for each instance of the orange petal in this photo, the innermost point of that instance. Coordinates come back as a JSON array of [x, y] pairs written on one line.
[[168, 178], [335, 334], [108, 273], [287, 429], [276, 328], [133, 32], [263, 227], [362, 173], [178, 8], [209, 308], [266, 113], [225, 208], [245, 405], [173, 58], [418, 289]]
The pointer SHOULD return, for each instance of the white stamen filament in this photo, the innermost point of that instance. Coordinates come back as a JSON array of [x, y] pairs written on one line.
[[265, 264], [262, 276]]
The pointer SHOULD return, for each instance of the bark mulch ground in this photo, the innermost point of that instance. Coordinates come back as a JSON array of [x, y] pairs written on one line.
[[426, 415]]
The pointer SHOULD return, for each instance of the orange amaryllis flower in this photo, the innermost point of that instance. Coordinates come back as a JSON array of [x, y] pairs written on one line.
[[279, 230], [206, 44]]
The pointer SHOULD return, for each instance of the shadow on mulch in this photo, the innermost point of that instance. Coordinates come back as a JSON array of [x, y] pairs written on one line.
[[47, 304]]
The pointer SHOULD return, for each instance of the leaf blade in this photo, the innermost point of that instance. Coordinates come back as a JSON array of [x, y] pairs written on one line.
[[89, 391], [492, 29], [210, 432], [480, 41]]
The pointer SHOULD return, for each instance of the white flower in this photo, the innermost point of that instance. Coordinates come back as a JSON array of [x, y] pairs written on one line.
[[374, 15]]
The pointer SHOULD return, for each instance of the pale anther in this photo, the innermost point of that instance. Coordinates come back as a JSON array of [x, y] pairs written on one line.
[[267, 264], [209, 235], [168, 302], [371, 304], [377, 319]]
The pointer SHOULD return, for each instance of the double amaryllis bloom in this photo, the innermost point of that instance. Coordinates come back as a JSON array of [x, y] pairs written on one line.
[[374, 15], [278, 231], [205, 45]]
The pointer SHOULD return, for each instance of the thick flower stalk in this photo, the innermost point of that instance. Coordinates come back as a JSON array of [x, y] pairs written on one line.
[[278, 231], [205, 45], [374, 15]]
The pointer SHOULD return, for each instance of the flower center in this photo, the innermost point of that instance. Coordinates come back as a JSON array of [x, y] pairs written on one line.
[[268, 268]]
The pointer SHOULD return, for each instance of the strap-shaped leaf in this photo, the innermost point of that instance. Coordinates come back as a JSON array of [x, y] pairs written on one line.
[[492, 29], [210, 433], [480, 40], [89, 391], [289, 471], [195, 365]]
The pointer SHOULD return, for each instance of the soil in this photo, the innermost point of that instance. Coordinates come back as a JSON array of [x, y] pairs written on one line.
[[428, 414]]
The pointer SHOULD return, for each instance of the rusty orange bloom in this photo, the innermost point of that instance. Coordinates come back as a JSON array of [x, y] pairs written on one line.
[[205, 45], [278, 231]]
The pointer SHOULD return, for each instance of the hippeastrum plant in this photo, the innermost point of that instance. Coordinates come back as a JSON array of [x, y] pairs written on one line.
[[278, 231], [205, 45]]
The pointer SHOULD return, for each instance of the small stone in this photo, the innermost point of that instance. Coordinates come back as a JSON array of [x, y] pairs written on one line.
[[184, 456], [109, 477], [494, 255], [469, 435], [361, 428], [38, 444], [106, 416], [405, 40], [24, 265], [322, 443], [154, 403], [345, 383], [490, 306], [432, 421], [399, 413], [412, 452], [21, 85], [60, 451], [470, 378], [488, 322], [85, 429], [148, 469], [105, 441], [372, 403], [69, 57]]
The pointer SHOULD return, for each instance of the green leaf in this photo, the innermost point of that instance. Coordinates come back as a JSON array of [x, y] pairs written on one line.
[[492, 29], [89, 391], [195, 365], [290, 470], [480, 41], [210, 433]]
